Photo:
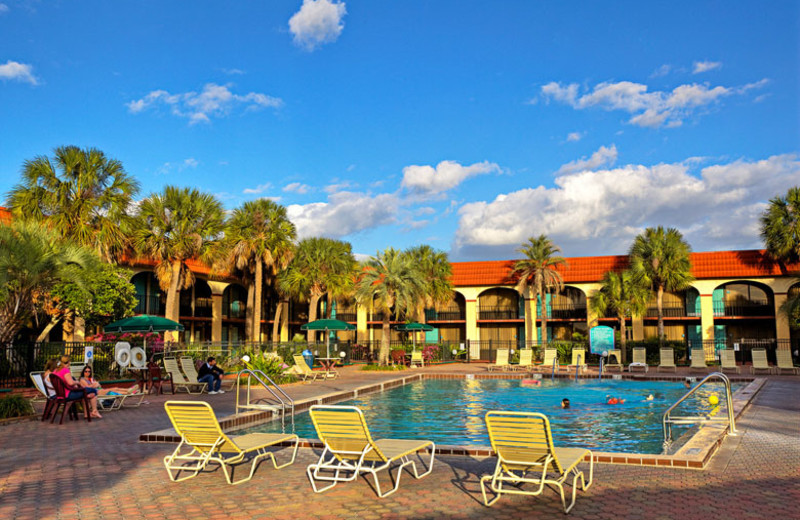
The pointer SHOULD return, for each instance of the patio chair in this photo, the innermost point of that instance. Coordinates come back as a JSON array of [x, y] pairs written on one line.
[[617, 357], [698, 360], [639, 359], [351, 450], [523, 443], [44, 396], [525, 360], [760, 361], [550, 358], [666, 359], [785, 362], [578, 360], [500, 360], [728, 361], [200, 431], [417, 359], [190, 369], [398, 357], [302, 370], [62, 391], [179, 381]]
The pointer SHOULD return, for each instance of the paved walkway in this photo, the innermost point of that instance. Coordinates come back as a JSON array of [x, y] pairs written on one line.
[[100, 471]]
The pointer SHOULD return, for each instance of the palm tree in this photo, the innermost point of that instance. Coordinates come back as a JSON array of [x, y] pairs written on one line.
[[390, 280], [33, 260], [620, 295], [436, 273], [780, 226], [82, 194], [660, 260], [175, 226], [791, 307], [538, 270], [259, 240], [321, 266]]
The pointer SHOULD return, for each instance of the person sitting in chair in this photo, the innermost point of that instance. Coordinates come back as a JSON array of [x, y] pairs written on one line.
[[211, 375]]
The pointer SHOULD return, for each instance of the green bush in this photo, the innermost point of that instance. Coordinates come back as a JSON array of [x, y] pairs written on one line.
[[271, 365], [15, 406], [382, 368]]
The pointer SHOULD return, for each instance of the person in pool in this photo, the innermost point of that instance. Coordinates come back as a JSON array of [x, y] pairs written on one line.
[[614, 400], [565, 403]]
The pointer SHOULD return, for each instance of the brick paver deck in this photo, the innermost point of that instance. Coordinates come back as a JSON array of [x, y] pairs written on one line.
[[100, 471]]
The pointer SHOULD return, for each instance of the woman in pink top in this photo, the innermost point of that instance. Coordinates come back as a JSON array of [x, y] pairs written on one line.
[[64, 373]]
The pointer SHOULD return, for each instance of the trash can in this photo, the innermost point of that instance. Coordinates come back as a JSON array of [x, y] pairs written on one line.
[[309, 357]]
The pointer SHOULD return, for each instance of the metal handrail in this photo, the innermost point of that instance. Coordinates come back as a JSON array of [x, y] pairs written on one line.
[[577, 367], [555, 363], [668, 420], [255, 374], [600, 371]]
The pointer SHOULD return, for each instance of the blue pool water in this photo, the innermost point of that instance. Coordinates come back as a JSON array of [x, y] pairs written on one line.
[[452, 411]]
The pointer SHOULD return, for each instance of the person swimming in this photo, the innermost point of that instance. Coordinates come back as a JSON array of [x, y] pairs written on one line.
[[565, 403], [614, 400]]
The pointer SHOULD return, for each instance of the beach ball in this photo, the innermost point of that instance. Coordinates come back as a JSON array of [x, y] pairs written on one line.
[[713, 400]]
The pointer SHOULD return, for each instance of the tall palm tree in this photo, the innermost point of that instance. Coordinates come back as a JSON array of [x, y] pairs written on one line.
[[621, 295], [436, 274], [321, 266], [791, 307], [390, 280], [259, 239], [538, 270], [172, 227], [660, 260], [33, 260], [80, 193], [780, 226]]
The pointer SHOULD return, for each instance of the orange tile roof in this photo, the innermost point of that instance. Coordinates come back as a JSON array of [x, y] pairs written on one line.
[[718, 264], [5, 215]]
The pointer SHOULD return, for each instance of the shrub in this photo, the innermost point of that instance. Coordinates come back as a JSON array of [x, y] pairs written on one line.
[[15, 406], [272, 365], [382, 368]]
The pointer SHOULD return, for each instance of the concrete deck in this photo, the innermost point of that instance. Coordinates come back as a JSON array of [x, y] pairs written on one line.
[[101, 471]]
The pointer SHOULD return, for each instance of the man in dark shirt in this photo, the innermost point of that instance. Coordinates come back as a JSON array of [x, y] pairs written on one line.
[[211, 375]]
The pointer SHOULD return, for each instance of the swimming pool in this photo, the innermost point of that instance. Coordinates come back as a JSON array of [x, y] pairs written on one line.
[[451, 411]]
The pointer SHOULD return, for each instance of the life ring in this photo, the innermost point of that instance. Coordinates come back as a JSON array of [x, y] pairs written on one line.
[[138, 357], [123, 357]]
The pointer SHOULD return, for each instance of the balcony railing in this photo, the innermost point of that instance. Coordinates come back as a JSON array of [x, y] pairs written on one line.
[[235, 310], [346, 316], [446, 314], [498, 313], [567, 311], [743, 308], [672, 311], [378, 316], [149, 305]]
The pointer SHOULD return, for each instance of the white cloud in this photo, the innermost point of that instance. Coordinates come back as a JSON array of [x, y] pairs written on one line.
[[3, 8], [343, 214], [233, 72], [317, 22], [600, 212], [261, 188], [167, 167], [297, 187], [574, 137], [16, 71], [428, 181], [648, 109], [213, 101], [604, 156], [705, 66], [337, 186], [191, 162], [661, 71]]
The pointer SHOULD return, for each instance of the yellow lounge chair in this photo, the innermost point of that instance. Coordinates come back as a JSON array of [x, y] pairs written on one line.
[[639, 359], [523, 443], [698, 360], [760, 361], [500, 360], [199, 429], [525, 360], [179, 381], [350, 450], [728, 361], [617, 356], [785, 362], [550, 357], [578, 354], [302, 370], [666, 359], [416, 359]]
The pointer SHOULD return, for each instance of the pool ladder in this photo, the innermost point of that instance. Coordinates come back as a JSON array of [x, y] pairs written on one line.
[[284, 402], [668, 420]]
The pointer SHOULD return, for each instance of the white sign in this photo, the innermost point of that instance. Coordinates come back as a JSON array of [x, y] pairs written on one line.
[[88, 355], [736, 347]]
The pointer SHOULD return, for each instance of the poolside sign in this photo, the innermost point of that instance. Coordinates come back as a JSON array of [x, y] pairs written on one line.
[[601, 339]]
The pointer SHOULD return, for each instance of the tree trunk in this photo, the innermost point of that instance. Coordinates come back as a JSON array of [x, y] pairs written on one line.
[[257, 295], [248, 313], [622, 339], [543, 308], [528, 321], [659, 305], [383, 357], [68, 327], [276, 324], [173, 295], [313, 302], [53, 322]]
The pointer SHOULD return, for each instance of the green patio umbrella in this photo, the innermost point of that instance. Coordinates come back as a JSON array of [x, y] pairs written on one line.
[[327, 325], [414, 327], [143, 323]]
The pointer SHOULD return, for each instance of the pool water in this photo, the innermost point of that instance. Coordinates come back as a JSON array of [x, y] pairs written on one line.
[[451, 411]]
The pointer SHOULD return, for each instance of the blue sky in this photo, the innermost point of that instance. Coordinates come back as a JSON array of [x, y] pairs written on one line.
[[469, 126]]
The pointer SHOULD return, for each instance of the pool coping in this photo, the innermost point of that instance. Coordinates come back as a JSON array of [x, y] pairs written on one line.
[[695, 454]]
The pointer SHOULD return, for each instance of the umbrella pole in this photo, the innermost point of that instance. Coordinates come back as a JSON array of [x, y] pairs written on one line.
[[328, 342]]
